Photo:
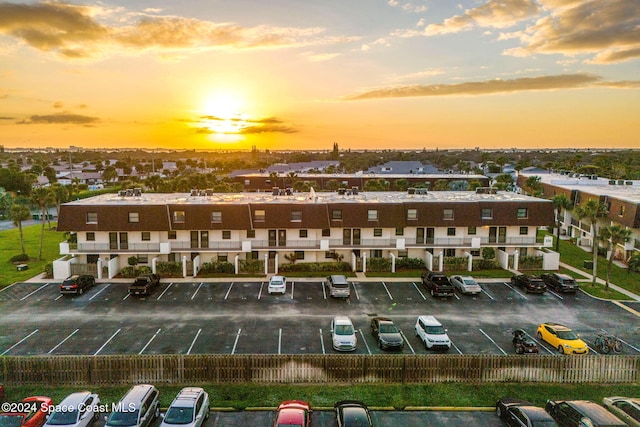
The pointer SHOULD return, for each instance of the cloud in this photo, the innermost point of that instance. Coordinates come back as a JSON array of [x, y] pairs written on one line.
[[7, 118], [239, 125], [267, 129], [488, 87], [623, 84], [609, 29], [61, 118], [492, 14], [73, 31], [58, 104], [408, 6]]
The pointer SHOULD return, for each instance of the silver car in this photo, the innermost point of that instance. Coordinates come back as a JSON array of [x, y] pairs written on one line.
[[190, 408], [76, 410], [465, 284]]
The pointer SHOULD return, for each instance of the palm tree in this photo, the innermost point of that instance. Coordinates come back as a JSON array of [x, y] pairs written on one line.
[[19, 213], [41, 197], [560, 202], [60, 194], [592, 210], [614, 235], [633, 264], [533, 185]]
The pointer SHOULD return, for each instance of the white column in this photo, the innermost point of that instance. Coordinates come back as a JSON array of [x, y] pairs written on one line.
[[364, 262], [470, 263], [276, 261], [99, 267], [266, 264], [237, 264], [154, 263], [515, 260], [184, 266], [393, 263], [441, 261]]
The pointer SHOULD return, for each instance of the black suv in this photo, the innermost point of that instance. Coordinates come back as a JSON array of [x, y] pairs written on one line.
[[437, 284], [532, 284], [386, 333], [576, 413], [560, 282], [77, 283]]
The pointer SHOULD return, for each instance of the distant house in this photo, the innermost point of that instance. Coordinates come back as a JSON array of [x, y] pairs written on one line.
[[402, 167]]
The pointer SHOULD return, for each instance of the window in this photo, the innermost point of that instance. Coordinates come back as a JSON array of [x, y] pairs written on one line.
[[251, 234], [447, 214], [330, 255], [336, 214], [376, 253], [226, 234], [326, 232], [223, 258], [204, 239], [403, 253], [172, 235], [91, 237], [399, 231], [524, 231], [372, 215], [146, 236], [143, 259], [92, 217], [471, 231], [451, 252], [178, 216], [487, 213], [377, 232], [259, 215], [412, 214], [523, 213], [475, 252], [303, 233], [171, 257], [299, 254], [216, 217], [296, 216], [621, 211], [451, 231], [134, 217]]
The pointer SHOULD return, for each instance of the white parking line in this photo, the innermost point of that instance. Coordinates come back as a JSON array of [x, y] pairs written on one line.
[[554, 294], [18, 343], [194, 341], [539, 343], [322, 341], [260, 292], [58, 297], [293, 284], [164, 292], [228, 291], [592, 349], [280, 341], [487, 293], [196, 292], [514, 290], [149, 342], [10, 286], [99, 292], [387, 289], [233, 350], [63, 341], [419, 291], [455, 347], [324, 291], [407, 341], [494, 343], [27, 296], [126, 296], [457, 296], [364, 341], [108, 341], [355, 290]]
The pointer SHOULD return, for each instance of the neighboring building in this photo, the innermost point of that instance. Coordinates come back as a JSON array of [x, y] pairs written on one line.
[[404, 167], [316, 227], [622, 198], [265, 181]]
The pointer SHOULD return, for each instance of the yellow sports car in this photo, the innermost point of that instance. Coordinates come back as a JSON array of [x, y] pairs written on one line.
[[562, 338]]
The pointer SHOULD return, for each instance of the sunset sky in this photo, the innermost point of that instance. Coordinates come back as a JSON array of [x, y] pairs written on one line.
[[303, 74]]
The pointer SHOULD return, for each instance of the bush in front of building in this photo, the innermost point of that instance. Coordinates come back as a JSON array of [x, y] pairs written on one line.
[[169, 269], [314, 267], [218, 267], [455, 263], [410, 264], [48, 270], [378, 265], [132, 271], [486, 264], [527, 262], [251, 266]]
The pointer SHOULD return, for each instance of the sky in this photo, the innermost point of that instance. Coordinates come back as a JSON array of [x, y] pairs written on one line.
[[305, 74]]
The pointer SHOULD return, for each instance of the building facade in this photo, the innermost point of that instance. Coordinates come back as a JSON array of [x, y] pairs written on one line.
[[313, 227]]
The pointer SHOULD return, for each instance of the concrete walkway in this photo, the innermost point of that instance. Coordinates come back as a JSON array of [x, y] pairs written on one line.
[[588, 277]]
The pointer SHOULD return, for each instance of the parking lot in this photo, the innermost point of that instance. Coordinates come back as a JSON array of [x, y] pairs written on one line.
[[240, 317]]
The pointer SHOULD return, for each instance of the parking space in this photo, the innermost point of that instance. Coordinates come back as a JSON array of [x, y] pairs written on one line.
[[241, 317]]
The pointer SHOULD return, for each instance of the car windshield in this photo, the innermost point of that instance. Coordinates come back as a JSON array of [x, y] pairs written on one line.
[[119, 419], [178, 415], [63, 418], [388, 328], [435, 330], [567, 335], [469, 282], [344, 330], [10, 420], [276, 282]]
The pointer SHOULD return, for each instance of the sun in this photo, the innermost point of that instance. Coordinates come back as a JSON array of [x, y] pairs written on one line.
[[222, 114]]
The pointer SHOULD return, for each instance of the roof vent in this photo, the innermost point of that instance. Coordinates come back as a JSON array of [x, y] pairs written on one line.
[[194, 192], [411, 190], [275, 191], [354, 190], [137, 192], [421, 191], [342, 191], [122, 193]]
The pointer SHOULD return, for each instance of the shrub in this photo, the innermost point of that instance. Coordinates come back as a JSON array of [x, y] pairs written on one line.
[[20, 258], [410, 264], [128, 272], [251, 265], [486, 264], [48, 270], [315, 267], [169, 269], [378, 264], [530, 262], [455, 263], [143, 269], [217, 267], [132, 261], [488, 253]]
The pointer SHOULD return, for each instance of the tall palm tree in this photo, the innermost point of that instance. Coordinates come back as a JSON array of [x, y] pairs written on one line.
[[533, 185], [592, 210], [60, 195], [41, 197], [18, 213], [614, 235], [560, 202]]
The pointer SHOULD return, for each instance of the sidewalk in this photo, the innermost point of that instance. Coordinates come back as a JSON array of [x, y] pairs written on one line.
[[589, 277]]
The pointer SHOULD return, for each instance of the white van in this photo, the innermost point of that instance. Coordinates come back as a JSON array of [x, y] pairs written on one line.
[[338, 286], [139, 407], [432, 333]]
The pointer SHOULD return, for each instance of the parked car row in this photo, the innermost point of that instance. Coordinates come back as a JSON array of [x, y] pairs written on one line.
[[349, 413], [539, 285], [619, 412], [558, 336]]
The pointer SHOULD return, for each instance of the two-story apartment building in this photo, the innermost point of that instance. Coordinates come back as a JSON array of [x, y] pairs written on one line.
[[316, 227]]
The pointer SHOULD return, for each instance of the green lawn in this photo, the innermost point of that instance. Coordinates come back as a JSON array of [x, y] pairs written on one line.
[[11, 247], [399, 396]]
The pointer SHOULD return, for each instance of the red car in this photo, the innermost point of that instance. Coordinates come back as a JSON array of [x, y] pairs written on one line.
[[32, 413], [293, 413]]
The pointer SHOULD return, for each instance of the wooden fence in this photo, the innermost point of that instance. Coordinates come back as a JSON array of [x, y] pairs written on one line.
[[335, 368]]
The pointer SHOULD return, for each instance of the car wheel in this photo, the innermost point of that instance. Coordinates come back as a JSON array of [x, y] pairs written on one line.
[[80, 292], [561, 349], [539, 335], [380, 345], [157, 413], [498, 412], [432, 292]]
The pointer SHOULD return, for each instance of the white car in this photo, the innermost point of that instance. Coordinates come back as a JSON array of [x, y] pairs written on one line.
[[277, 285], [432, 333], [190, 408], [465, 284], [76, 410], [343, 334]]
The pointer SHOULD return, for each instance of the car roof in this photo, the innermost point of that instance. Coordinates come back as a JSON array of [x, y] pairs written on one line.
[[187, 396], [75, 399], [594, 411], [557, 326], [535, 413], [353, 410], [342, 320], [277, 277], [430, 320], [563, 276]]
